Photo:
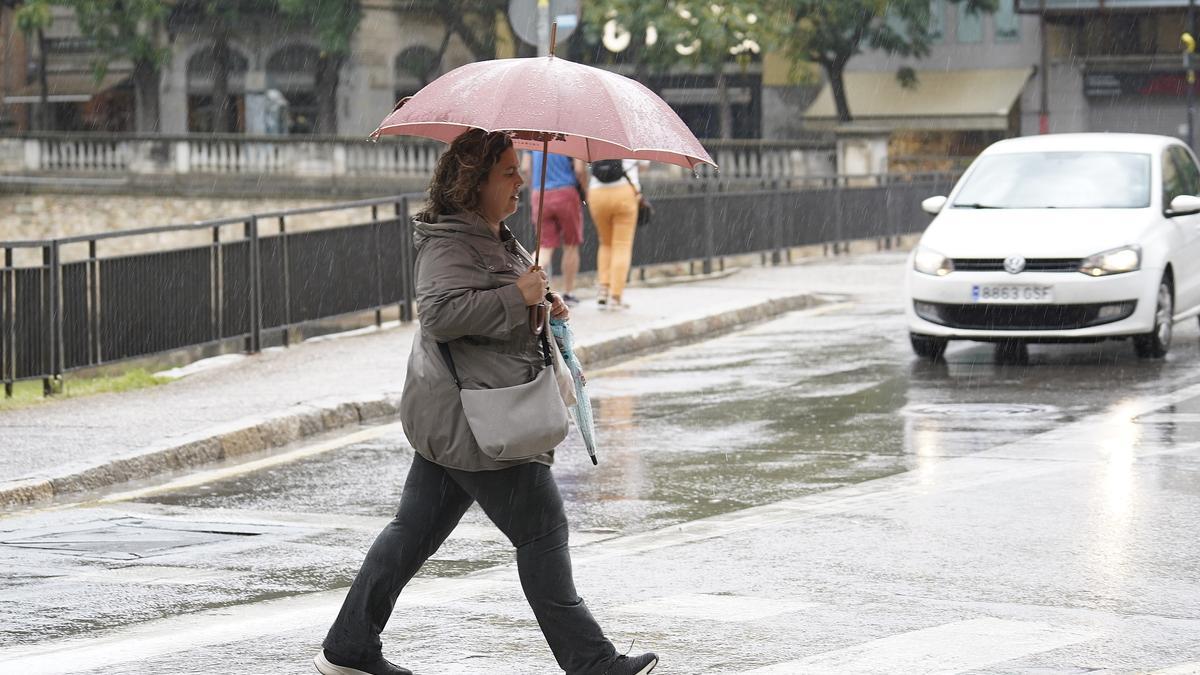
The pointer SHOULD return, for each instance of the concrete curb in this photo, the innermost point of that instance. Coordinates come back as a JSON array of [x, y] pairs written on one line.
[[245, 437]]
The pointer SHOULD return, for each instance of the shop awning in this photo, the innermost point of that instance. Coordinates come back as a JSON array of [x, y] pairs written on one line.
[[1050, 6], [958, 100], [66, 88]]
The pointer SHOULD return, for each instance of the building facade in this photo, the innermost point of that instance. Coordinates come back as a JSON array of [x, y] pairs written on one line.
[[270, 80], [271, 75], [1107, 65]]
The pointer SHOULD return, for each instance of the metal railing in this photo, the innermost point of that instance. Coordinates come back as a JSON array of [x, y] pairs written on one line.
[[254, 276], [63, 315]]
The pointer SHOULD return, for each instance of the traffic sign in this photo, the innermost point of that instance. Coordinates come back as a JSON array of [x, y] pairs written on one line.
[[523, 15]]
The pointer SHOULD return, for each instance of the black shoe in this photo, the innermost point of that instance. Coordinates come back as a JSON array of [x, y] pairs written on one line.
[[636, 665], [381, 666], [571, 300]]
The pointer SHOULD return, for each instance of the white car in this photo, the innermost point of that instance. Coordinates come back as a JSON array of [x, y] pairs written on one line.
[[1061, 238]]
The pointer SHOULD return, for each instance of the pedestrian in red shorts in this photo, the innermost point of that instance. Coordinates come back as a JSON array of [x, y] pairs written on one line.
[[562, 223]]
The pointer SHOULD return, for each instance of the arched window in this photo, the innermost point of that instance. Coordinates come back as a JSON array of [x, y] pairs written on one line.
[[201, 71], [292, 70], [414, 68]]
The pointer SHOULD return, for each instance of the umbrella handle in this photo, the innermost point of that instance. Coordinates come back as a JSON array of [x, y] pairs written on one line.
[[537, 318]]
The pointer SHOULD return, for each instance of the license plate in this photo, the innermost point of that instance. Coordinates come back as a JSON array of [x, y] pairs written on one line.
[[1012, 293]]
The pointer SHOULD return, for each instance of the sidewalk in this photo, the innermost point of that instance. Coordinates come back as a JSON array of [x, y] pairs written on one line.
[[255, 403]]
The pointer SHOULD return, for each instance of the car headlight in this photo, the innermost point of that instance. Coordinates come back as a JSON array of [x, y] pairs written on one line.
[[928, 261], [1116, 261]]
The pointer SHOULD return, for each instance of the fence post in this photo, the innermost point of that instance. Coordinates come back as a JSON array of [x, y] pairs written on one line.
[[93, 303], [838, 215], [182, 151], [709, 242], [889, 219], [60, 342], [48, 314], [775, 204], [254, 340], [33, 154], [407, 260], [378, 262], [7, 320]]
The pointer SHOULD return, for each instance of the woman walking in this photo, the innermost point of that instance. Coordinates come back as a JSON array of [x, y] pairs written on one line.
[[474, 287], [612, 198]]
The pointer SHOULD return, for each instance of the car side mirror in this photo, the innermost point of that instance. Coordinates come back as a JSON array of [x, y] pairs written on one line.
[[1183, 205], [933, 205]]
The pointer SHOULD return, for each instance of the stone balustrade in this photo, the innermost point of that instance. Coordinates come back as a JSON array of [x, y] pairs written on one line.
[[233, 155]]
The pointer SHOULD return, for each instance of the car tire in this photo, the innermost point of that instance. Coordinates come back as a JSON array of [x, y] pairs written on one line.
[[1154, 345], [928, 346]]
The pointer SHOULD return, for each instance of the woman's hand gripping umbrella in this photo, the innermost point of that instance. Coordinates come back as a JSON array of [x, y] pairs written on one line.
[[583, 405]]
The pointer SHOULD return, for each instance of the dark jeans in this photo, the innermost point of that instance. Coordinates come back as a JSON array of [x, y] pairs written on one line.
[[523, 501]]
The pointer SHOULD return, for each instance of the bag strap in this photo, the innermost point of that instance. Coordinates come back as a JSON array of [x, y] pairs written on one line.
[[630, 181], [444, 348]]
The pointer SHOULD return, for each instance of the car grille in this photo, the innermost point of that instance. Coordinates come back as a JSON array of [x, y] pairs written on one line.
[[1032, 265], [1024, 317]]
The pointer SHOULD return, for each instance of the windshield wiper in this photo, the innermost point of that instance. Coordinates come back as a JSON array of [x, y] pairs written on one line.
[[976, 206]]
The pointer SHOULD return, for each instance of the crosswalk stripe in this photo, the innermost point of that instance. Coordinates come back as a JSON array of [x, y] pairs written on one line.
[[949, 648]]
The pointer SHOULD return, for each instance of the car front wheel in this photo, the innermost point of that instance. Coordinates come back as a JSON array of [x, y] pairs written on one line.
[[928, 346], [1154, 345]]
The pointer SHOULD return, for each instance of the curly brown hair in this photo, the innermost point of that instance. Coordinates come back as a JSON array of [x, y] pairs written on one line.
[[461, 170]]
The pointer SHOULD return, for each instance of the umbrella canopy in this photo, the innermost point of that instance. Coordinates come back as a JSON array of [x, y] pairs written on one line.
[[552, 104]]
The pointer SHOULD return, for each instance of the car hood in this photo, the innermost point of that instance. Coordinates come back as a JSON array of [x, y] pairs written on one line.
[[1034, 233]]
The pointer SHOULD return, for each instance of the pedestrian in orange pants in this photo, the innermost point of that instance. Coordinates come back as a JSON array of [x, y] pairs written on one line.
[[614, 209]]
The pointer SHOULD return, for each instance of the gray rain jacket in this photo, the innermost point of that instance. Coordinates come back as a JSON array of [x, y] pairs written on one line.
[[467, 297]]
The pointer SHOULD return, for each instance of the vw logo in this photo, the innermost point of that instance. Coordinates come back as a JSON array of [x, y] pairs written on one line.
[[1014, 264]]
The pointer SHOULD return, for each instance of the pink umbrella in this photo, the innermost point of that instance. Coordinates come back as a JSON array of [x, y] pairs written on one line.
[[552, 105]]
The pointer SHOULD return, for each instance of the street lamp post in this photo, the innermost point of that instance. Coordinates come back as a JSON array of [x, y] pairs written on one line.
[[543, 27]]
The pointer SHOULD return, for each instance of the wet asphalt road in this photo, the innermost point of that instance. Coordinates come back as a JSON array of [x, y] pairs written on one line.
[[809, 402]]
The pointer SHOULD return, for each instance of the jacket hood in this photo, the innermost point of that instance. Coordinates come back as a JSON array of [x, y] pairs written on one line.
[[453, 225]]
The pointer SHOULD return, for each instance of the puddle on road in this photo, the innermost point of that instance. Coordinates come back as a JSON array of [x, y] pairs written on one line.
[[130, 538], [979, 410]]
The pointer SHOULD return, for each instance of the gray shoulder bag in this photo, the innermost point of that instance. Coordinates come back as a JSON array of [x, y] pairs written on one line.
[[520, 422]]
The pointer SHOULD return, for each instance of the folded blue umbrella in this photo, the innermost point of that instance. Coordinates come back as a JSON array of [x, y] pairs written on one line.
[[583, 406]]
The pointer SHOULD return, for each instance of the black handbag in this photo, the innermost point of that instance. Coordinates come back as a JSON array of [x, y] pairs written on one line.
[[645, 208]]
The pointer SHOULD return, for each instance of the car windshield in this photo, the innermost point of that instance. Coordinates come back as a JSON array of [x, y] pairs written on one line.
[[1058, 180]]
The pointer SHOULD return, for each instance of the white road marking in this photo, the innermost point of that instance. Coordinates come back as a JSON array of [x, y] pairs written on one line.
[[731, 608], [1180, 669], [949, 648], [304, 613]]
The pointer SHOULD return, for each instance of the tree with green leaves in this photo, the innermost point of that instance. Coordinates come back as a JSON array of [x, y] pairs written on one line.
[[334, 23], [33, 17], [831, 33], [626, 33], [130, 30], [707, 35]]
